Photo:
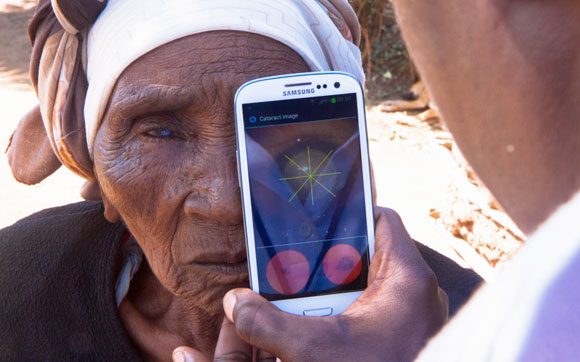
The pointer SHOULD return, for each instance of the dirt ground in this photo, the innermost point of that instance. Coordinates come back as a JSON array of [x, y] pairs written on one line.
[[418, 169]]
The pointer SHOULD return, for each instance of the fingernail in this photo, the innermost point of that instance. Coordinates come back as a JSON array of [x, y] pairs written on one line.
[[178, 356], [229, 304]]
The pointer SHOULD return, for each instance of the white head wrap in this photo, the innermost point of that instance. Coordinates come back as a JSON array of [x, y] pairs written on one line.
[[128, 29]]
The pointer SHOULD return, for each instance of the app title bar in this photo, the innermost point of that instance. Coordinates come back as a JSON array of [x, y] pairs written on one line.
[[299, 110]]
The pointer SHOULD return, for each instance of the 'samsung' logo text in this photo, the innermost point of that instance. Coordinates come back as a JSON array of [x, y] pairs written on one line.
[[297, 92]]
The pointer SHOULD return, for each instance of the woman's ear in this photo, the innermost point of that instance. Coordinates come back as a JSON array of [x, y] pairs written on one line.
[[91, 191], [111, 213]]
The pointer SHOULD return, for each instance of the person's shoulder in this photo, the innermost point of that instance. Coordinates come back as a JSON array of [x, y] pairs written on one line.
[[55, 231], [49, 221], [76, 210], [57, 274]]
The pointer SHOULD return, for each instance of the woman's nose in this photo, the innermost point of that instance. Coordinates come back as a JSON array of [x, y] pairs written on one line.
[[218, 199]]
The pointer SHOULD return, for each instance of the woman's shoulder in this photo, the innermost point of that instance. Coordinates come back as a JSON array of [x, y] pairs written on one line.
[[93, 209], [53, 229], [57, 226], [76, 231], [57, 274]]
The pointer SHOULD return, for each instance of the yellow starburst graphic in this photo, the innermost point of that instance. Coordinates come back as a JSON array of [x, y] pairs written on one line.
[[310, 176]]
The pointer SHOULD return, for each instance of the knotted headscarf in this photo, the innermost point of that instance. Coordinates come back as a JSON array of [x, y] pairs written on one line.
[[81, 47]]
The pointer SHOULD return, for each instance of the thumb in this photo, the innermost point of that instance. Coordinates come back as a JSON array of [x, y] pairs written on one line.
[[188, 354], [262, 325], [256, 319]]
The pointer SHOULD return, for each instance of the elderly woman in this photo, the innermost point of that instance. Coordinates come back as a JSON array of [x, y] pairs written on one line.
[[137, 97]]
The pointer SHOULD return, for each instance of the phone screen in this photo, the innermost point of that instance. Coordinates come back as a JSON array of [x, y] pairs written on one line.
[[307, 196]]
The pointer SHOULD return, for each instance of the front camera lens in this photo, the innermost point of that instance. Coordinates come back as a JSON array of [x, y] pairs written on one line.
[[336, 85]]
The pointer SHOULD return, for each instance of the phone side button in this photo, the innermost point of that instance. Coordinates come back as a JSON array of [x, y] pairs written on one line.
[[320, 312], [238, 168]]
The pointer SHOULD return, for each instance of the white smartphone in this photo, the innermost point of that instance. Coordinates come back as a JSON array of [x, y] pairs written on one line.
[[306, 190]]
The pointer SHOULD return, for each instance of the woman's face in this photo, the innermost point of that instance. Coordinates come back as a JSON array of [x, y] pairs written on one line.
[[165, 157]]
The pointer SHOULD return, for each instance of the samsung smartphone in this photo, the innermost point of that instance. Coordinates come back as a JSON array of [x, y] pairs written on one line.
[[306, 190]]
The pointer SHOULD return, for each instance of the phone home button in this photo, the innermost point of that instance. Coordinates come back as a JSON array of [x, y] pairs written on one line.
[[319, 312]]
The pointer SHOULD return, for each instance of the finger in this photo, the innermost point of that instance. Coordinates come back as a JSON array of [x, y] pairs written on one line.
[[263, 356], [444, 303], [390, 227], [393, 245], [254, 317], [230, 347], [373, 184], [282, 334], [188, 354]]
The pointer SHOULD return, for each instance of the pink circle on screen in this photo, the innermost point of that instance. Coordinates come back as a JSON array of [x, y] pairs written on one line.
[[288, 272], [342, 264]]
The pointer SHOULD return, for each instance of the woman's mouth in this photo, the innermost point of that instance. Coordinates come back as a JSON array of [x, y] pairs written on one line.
[[229, 268], [222, 268]]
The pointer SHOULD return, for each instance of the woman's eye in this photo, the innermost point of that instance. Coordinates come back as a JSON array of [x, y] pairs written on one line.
[[159, 133], [159, 127]]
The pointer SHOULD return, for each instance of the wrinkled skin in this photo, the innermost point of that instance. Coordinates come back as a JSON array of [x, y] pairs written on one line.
[[391, 321], [504, 75], [165, 162]]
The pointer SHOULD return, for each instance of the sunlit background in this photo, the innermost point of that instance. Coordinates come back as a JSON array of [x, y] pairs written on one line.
[[418, 169]]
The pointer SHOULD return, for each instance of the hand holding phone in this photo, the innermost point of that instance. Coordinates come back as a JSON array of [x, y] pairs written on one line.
[[392, 319], [306, 190]]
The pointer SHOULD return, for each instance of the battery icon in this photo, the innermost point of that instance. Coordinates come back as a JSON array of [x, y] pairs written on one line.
[[333, 100]]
